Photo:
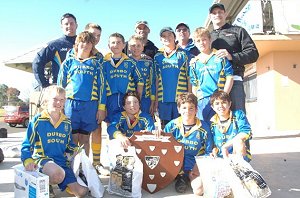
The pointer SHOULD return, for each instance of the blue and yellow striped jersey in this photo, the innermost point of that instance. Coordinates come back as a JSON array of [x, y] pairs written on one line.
[[209, 74], [83, 80], [122, 124], [146, 67], [171, 74], [44, 140], [121, 77], [238, 124], [197, 141]]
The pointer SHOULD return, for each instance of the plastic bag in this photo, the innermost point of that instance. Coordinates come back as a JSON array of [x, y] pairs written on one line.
[[127, 172], [231, 177], [249, 178], [89, 173], [214, 175]]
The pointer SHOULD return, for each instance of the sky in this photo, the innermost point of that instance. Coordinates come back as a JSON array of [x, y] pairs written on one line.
[[26, 24]]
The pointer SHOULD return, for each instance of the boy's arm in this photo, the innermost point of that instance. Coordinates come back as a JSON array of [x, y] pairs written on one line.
[[28, 145], [62, 75], [229, 75], [101, 114], [113, 130], [209, 142]]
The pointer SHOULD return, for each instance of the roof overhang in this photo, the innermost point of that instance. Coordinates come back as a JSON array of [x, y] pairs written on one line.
[[270, 43]]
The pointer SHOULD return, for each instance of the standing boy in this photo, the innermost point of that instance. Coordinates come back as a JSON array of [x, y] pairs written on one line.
[[208, 73], [55, 51], [145, 65], [48, 139], [83, 79], [195, 136], [121, 74], [171, 64], [231, 129]]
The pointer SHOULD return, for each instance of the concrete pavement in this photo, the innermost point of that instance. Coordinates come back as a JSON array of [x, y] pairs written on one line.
[[277, 158]]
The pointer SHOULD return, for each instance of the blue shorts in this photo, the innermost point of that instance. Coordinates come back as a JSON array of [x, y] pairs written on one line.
[[69, 174], [205, 111], [167, 110], [82, 115], [145, 105], [113, 106]]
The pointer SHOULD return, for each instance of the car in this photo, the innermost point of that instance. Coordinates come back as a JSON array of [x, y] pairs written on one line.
[[16, 115]]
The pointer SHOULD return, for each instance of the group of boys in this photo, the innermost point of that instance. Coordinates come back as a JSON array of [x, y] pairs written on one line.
[[123, 89]]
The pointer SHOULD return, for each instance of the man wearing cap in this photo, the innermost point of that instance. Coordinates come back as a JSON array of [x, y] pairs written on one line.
[[171, 64], [55, 51], [183, 39], [142, 29], [234, 43]]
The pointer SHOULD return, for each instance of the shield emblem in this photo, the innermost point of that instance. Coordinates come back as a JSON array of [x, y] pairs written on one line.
[[162, 159]]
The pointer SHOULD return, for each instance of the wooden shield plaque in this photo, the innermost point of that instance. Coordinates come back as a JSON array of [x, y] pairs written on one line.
[[162, 159]]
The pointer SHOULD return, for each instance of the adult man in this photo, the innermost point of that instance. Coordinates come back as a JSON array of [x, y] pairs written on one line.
[[236, 45], [142, 29], [55, 52], [183, 39]]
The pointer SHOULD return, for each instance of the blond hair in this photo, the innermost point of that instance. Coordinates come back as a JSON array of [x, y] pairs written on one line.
[[201, 31]]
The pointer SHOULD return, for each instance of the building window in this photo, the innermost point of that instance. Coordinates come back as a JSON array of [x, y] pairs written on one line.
[[250, 86]]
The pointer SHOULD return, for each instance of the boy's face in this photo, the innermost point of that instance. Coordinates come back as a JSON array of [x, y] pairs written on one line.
[[116, 45], [167, 38], [221, 107], [69, 26], [96, 32], [136, 47], [187, 110], [203, 43], [84, 47], [132, 105], [56, 101]]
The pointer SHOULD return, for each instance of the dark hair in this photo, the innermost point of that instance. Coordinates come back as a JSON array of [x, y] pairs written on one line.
[[118, 35], [187, 98], [68, 15], [222, 95], [130, 93], [93, 25]]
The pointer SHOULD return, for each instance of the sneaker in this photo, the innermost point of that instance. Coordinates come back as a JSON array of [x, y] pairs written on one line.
[[51, 192], [101, 170], [181, 184]]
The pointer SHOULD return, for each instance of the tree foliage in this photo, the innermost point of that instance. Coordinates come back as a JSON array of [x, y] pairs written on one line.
[[9, 96]]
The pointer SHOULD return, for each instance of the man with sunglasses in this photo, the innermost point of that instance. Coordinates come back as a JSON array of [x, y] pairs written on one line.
[[55, 51], [142, 29], [183, 39]]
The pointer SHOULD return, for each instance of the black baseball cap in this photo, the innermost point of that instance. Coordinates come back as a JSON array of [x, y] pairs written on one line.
[[216, 5], [169, 29]]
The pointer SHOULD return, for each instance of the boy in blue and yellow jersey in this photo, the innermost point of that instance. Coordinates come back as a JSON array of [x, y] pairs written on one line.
[[195, 136], [48, 140], [121, 74], [208, 73], [130, 120], [55, 51], [81, 75], [231, 129], [145, 65], [171, 64]]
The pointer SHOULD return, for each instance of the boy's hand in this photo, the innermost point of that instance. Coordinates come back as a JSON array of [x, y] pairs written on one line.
[[31, 166], [225, 152], [214, 152], [124, 141], [157, 133], [101, 114]]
